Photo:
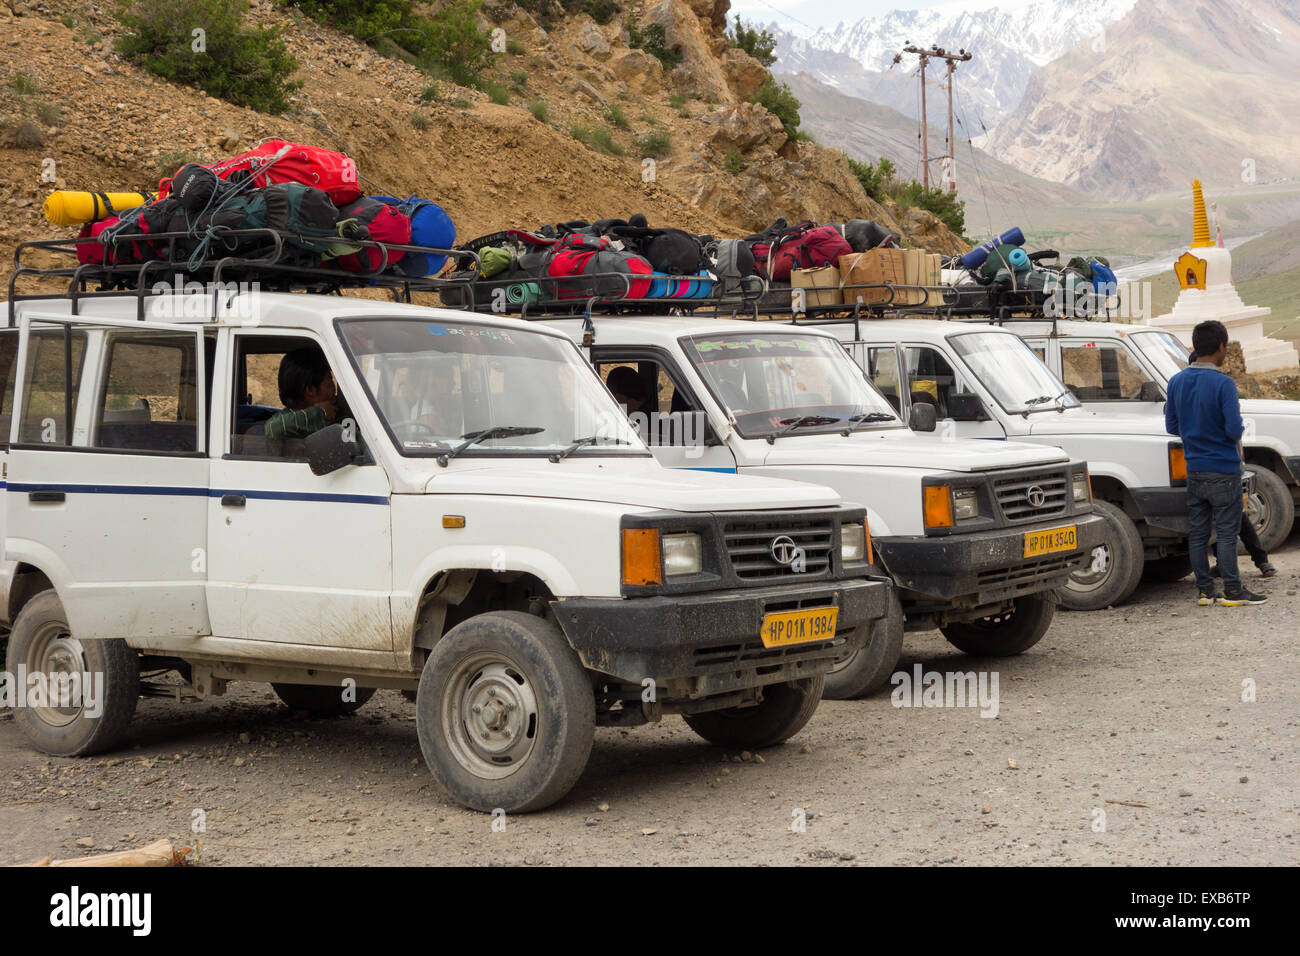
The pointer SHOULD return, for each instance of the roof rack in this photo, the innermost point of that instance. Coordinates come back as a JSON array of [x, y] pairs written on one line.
[[269, 257]]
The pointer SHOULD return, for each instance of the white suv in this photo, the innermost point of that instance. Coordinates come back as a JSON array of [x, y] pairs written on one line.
[[976, 536], [480, 528]]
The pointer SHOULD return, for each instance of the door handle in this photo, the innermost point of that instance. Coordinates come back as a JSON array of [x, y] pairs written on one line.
[[45, 496], [233, 501]]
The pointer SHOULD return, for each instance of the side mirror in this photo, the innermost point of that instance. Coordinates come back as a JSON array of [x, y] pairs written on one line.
[[327, 451], [1151, 393], [923, 417], [966, 407]]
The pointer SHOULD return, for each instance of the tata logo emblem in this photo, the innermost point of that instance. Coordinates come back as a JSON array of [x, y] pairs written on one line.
[[1036, 495], [784, 550]]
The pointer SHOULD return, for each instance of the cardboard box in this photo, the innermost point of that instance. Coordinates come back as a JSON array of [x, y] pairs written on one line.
[[914, 274], [822, 285], [875, 267]]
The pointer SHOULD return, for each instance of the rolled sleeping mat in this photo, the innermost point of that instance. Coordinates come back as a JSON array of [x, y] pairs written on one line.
[[975, 258], [660, 287], [68, 207], [518, 293], [1018, 259], [704, 288]]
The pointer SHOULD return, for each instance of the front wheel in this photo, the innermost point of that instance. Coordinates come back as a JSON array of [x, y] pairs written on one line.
[[860, 672], [1004, 635], [782, 714], [88, 689], [1271, 509], [505, 713], [1113, 568]]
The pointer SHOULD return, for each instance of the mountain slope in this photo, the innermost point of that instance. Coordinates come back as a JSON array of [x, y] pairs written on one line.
[[1193, 88], [1009, 41]]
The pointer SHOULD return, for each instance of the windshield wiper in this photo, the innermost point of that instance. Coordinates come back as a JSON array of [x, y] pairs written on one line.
[[499, 431], [803, 421], [1060, 407], [559, 456], [867, 418]]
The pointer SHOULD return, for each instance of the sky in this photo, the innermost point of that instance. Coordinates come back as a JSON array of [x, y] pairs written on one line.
[[821, 13]]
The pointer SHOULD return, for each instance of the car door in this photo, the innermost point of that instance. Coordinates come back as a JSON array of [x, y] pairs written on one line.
[[930, 376], [108, 474], [1105, 376], [293, 557], [663, 407]]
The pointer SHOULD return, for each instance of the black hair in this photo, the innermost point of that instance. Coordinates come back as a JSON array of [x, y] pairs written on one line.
[[1208, 336], [625, 380], [300, 370]]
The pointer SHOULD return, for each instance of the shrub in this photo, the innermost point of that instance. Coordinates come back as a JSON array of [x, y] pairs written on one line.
[[539, 110], [654, 41], [547, 11], [732, 163], [514, 48], [677, 101], [461, 103], [367, 20], [603, 139], [877, 178], [938, 200], [777, 98], [247, 66], [451, 40], [23, 85], [581, 134], [656, 144], [615, 116], [430, 93], [519, 77], [419, 121], [496, 92], [759, 44]]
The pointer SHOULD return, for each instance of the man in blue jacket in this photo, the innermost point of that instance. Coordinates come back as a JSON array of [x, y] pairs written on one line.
[[1204, 412]]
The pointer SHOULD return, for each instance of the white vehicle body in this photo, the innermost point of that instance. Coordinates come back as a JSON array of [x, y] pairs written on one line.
[[974, 569], [181, 528]]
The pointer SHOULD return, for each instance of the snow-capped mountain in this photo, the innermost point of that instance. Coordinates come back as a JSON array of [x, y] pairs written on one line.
[[1009, 41]]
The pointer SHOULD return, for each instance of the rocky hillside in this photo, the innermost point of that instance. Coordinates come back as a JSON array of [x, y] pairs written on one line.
[[1183, 89], [729, 167]]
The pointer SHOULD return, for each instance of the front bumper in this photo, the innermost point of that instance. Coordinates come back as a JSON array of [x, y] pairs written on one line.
[[982, 567], [1166, 508], [708, 644]]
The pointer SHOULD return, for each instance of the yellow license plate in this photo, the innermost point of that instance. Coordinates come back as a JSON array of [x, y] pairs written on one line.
[[799, 627], [1053, 539]]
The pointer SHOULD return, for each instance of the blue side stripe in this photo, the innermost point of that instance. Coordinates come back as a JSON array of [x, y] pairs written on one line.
[[725, 471], [186, 492]]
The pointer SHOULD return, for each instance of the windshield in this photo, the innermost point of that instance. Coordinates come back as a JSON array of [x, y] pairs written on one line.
[[1165, 352], [437, 384], [787, 381], [1007, 367]]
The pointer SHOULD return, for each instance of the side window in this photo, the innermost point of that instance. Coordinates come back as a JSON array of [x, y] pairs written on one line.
[[8, 377], [149, 398], [882, 369], [269, 423], [930, 378], [660, 410], [52, 385], [1039, 349], [1100, 371]]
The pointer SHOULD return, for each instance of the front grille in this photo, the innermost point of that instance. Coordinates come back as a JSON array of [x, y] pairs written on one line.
[[1014, 495], [754, 654], [1027, 572], [749, 546]]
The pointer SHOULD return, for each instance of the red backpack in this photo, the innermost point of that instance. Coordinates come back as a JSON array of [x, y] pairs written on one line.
[[578, 254], [386, 224], [278, 161], [800, 249]]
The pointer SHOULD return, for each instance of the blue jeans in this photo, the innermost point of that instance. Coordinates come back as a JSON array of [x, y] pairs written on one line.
[[1214, 502]]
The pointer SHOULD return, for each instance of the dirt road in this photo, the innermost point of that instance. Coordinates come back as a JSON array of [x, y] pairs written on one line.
[[1142, 704]]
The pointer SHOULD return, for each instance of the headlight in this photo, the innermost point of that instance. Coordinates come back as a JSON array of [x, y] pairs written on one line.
[[965, 503], [1080, 488], [937, 506], [854, 544], [682, 554]]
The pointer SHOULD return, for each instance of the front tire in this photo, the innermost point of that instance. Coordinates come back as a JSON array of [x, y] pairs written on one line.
[[1271, 509], [782, 714], [505, 713], [860, 672], [42, 642], [322, 700], [1005, 635], [1114, 569]]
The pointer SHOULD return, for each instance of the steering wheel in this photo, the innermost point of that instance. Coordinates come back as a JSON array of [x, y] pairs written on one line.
[[415, 428]]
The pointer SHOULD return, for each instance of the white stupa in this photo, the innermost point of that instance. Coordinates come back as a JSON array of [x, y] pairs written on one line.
[[1204, 274]]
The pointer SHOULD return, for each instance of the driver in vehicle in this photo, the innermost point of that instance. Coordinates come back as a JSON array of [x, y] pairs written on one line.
[[309, 395]]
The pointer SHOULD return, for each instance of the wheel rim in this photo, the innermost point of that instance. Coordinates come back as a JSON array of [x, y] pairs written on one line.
[[1100, 565], [55, 653], [490, 717], [1259, 512], [844, 661]]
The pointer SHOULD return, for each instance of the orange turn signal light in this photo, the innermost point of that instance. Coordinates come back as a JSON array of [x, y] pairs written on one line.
[[642, 561], [938, 506], [1177, 464], [453, 521]]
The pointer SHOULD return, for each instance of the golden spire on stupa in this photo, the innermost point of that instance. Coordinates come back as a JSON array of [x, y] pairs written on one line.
[[1200, 222]]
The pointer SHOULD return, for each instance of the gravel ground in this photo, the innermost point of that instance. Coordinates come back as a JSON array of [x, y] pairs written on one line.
[[1122, 738]]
